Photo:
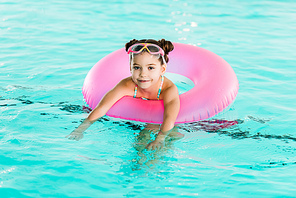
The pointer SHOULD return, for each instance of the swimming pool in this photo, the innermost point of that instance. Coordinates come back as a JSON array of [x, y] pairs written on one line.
[[48, 47]]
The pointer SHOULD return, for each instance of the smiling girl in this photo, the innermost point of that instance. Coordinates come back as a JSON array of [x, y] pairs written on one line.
[[148, 62]]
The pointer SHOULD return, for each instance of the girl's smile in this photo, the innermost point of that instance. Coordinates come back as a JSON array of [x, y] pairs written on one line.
[[143, 81]]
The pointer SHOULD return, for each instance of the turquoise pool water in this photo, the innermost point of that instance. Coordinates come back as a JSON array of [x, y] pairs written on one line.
[[46, 50]]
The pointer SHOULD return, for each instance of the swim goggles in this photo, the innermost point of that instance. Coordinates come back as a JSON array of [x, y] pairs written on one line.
[[151, 48]]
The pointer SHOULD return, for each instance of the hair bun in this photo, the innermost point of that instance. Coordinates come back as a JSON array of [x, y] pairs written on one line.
[[167, 46], [130, 43]]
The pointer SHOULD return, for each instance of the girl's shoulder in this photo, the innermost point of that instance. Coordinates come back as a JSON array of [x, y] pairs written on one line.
[[127, 82], [169, 88], [168, 84], [125, 86]]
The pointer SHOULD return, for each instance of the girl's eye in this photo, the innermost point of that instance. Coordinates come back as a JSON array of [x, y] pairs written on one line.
[[136, 67], [150, 68]]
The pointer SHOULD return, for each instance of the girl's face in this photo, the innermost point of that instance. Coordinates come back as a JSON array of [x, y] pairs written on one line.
[[146, 70]]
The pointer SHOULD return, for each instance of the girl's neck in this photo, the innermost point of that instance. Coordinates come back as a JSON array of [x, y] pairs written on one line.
[[151, 92]]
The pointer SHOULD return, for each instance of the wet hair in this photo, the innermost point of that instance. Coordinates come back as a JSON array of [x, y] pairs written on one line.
[[167, 46]]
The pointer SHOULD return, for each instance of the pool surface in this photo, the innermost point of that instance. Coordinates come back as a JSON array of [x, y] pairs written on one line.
[[46, 50]]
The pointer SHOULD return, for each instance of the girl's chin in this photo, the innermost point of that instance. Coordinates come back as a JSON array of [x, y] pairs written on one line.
[[144, 83], [144, 86]]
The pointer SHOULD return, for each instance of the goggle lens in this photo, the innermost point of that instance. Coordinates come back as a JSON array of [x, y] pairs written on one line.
[[153, 48], [137, 48]]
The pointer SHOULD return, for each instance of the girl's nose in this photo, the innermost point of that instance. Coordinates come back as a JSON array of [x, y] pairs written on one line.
[[143, 72]]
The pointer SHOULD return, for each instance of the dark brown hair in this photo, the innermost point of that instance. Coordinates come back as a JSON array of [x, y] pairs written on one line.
[[167, 46]]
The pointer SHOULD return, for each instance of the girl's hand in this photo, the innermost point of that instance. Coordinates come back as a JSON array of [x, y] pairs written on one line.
[[75, 135], [155, 145], [158, 143]]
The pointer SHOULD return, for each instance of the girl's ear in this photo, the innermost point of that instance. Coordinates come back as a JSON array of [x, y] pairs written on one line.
[[163, 69]]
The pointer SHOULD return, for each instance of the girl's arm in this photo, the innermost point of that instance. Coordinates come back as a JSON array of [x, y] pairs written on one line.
[[171, 103], [109, 99]]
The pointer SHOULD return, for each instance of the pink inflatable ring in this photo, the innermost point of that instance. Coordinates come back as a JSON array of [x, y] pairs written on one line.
[[215, 85]]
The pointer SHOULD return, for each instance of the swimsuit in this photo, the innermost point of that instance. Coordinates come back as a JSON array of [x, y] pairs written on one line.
[[159, 90]]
